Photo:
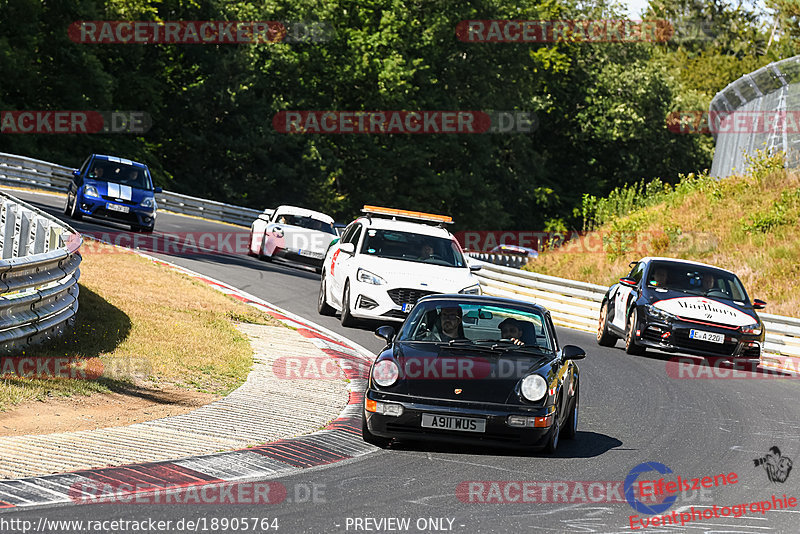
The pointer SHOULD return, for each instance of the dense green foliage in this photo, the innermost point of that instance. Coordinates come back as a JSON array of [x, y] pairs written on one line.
[[601, 107]]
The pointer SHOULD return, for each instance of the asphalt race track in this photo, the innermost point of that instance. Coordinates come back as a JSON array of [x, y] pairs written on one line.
[[631, 412]]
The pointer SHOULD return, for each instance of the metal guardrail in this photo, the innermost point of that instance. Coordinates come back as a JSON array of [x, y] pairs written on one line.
[[38, 275], [577, 305], [506, 260], [27, 172]]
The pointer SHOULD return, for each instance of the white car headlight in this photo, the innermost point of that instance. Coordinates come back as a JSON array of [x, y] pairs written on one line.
[[471, 290], [750, 329], [148, 202], [534, 387], [367, 277], [385, 373], [90, 191]]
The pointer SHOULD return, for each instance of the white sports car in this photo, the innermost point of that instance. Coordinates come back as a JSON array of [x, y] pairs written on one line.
[[292, 233], [381, 266]]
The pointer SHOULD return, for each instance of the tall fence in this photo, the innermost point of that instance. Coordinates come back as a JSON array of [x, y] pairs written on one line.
[[773, 88], [27, 172], [38, 275], [577, 305]]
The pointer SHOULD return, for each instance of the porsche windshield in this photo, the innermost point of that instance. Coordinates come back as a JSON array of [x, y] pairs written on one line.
[[306, 222], [412, 247], [454, 322], [696, 280]]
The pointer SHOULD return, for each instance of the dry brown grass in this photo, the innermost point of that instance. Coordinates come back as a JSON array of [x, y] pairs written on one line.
[[743, 224], [149, 325]]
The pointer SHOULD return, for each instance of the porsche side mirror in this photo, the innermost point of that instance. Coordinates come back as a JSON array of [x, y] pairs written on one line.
[[158, 190], [571, 352], [349, 248], [474, 268], [630, 282], [76, 173], [758, 304], [385, 332]]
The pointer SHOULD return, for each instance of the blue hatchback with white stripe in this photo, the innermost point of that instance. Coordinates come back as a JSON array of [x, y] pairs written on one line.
[[115, 189]]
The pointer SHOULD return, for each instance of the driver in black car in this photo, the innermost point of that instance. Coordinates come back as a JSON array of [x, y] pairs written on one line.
[[447, 326], [708, 282], [511, 329]]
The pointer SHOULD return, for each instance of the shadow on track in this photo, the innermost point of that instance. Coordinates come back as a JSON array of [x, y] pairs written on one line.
[[585, 445]]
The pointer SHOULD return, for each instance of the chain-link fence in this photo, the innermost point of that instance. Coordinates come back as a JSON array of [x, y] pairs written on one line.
[[767, 117]]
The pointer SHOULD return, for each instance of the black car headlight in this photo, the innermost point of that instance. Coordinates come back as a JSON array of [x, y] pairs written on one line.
[[751, 329], [658, 313], [534, 387], [385, 373]]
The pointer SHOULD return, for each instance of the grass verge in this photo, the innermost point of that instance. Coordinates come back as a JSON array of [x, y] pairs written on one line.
[[149, 326]]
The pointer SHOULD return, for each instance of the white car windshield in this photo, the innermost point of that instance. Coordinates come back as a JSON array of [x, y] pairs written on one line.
[[412, 247], [696, 281], [305, 222]]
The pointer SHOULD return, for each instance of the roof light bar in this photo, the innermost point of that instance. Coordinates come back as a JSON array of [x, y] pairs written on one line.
[[407, 214]]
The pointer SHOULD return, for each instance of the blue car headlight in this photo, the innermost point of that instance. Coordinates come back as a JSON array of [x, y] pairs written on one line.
[[659, 313], [90, 191], [149, 202]]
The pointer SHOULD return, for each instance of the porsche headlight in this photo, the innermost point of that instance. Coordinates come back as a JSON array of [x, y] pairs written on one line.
[[750, 329], [368, 278], [659, 313], [90, 191], [534, 387], [385, 373], [148, 202], [471, 290]]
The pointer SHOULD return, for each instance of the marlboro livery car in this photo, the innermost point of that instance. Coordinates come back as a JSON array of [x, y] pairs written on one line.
[[681, 306], [382, 265], [292, 233], [115, 189]]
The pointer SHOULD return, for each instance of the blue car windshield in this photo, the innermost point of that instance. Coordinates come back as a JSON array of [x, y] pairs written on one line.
[[120, 173], [442, 321]]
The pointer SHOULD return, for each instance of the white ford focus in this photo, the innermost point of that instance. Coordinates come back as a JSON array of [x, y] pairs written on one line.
[[388, 259]]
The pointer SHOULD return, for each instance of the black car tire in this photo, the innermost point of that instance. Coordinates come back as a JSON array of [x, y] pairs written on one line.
[[74, 213], [570, 429], [604, 337], [371, 438], [347, 319], [323, 308], [630, 336], [552, 440]]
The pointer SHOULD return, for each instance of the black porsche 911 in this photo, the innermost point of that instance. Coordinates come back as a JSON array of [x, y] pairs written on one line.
[[473, 369], [681, 306]]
